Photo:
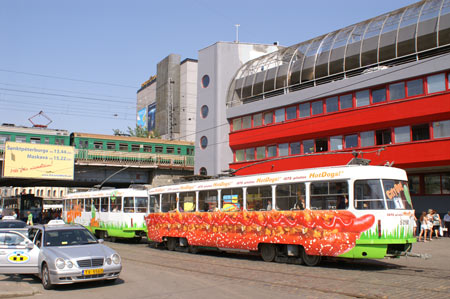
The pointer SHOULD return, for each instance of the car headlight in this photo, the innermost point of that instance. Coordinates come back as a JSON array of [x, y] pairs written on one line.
[[60, 263], [108, 260], [116, 258], [69, 264]]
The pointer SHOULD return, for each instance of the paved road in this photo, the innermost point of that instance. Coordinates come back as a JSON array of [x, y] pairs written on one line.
[[156, 273]]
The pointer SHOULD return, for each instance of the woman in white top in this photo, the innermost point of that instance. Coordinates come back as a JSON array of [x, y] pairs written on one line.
[[423, 227]]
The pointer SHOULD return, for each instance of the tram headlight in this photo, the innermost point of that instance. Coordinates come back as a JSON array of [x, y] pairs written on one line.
[[115, 258], [60, 263]]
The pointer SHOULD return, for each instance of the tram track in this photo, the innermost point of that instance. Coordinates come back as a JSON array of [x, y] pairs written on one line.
[[300, 277]]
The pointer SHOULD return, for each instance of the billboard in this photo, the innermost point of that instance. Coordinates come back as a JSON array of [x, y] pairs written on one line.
[[38, 161], [142, 118], [151, 117]]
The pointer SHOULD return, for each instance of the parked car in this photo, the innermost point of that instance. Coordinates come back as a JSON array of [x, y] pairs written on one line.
[[9, 223], [58, 253]]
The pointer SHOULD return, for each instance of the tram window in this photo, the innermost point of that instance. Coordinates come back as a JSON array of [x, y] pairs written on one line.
[[290, 197], [187, 201], [128, 204], [369, 195], [141, 204], [397, 195], [35, 140], [116, 204], [135, 147], [158, 149], [207, 201], [104, 204], [80, 204], [20, 138], [259, 198], [87, 205], [232, 200], [123, 147], [329, 195], [154, 203], [147, 148], [96, 203], [98, 145], [169, 202], [111, 146]]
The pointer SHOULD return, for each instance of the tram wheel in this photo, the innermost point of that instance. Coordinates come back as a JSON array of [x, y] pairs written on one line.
[[193, 249], [171, 244], [268, 252], [310, 260]]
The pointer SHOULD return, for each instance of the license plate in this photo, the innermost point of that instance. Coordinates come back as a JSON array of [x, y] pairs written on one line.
[[93, 271]]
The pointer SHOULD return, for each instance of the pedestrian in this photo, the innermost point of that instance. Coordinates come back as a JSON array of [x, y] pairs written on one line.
[[414, 225], [436, 224], [429, 219], [423, 227], [30, 218], [447, 224]]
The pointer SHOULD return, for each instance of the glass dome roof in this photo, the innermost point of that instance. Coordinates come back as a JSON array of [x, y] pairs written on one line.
[[398, 34]]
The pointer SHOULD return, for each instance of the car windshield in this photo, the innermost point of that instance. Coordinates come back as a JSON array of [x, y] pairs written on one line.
[[68, 237], [12, 224]]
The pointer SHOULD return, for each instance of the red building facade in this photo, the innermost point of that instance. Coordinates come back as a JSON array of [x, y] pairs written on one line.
[[324, 101]]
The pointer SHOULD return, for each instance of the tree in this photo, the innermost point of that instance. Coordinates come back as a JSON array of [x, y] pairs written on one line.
[[136, 132]]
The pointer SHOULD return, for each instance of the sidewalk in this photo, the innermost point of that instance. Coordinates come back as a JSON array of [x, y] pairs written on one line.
[[12, 286]]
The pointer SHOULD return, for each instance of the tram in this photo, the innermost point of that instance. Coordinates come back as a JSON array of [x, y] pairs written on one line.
[[110, 213], [350, 211]]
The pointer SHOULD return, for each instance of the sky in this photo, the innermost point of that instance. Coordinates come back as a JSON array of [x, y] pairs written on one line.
[[82, 62]]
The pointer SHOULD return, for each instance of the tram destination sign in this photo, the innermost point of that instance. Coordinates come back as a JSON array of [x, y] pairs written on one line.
[[38, 161]]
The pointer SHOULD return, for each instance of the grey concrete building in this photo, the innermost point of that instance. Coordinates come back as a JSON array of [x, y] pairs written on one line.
[[166, 103], [217, 66]]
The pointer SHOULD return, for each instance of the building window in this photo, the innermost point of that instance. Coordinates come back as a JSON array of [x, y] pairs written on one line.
[[351, 141], [169, 150], [158, 149], [250, 154], [304, 110], [317, 107], [383, 137], [397, 91], [261, 152], [402, 134], [415, 87], [205, 81], [362, 98], [331, 104], [295, 148], [203, 171], [240, 155], [379, 95], [203, 142], [432, 183], [291, 112], [257, 120], [308, 146], [321, 145], [346, 101], [237, 124], [420, 132], [268, 118], [247, 122], [414, 184], [336, 143], [147, 148], [367, 138], [123, 147], [436, 83], [279, 115], [441, 129], [283, 149], [98, 145], [271, 151], [204, 111]]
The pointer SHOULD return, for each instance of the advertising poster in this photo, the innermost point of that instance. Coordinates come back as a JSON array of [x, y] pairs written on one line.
[[38, 161], [151, 117], [141, 120]]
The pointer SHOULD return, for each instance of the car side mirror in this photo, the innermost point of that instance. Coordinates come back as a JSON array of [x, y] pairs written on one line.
[[29, 246], [101, 241]]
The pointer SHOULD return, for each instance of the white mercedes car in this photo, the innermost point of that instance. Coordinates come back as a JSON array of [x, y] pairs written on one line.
[[58, 253]]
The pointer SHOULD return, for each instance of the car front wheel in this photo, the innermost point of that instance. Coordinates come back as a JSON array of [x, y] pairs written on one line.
[[46, 282]]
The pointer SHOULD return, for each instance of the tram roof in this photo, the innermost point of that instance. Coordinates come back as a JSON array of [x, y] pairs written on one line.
[[130, 138]]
